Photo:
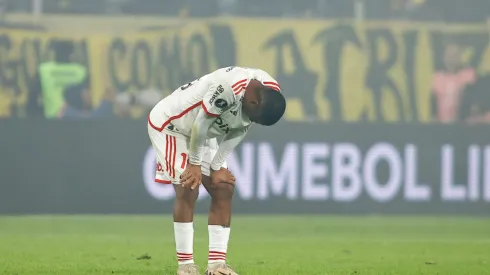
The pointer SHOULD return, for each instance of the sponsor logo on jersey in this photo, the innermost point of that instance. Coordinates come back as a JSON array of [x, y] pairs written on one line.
[[221, 103], [219, 91], [222, 125], [159, 167]]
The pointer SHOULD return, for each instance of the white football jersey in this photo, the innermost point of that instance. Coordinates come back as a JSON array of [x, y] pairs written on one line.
[[219, 94]]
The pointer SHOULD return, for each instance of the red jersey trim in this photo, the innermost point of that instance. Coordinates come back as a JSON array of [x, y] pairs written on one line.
[[239, 86], [239, 89], [272, 85], [239, 83], [173, 117], [207, 112]]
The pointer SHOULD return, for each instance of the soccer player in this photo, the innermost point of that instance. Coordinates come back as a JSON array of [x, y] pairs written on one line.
[[193, 130]]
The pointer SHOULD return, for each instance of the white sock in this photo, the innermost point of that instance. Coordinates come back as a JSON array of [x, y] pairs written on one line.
[[184, 242], [218, 243]]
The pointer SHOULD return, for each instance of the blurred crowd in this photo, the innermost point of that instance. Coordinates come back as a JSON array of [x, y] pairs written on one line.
[[420, 10], [61, 90]]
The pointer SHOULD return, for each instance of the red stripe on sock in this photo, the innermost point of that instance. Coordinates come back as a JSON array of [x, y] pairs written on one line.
[[217, 252], [184, 254], [216, 256]]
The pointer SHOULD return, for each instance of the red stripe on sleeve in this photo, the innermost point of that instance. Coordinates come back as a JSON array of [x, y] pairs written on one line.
[[272, 85], [239, 89], [243, 81], [207, 112]]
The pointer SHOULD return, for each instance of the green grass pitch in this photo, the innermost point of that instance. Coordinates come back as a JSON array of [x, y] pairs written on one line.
[[269, 245]]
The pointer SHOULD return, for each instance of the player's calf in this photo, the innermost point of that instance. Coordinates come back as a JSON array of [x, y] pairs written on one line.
[[221, 198], [185, 200], [219, 220]]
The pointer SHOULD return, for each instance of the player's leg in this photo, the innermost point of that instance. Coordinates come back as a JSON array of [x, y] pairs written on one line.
[[184, 223], [219, 228], [219, 220], [184, 203], [185, 199], [171, 158]]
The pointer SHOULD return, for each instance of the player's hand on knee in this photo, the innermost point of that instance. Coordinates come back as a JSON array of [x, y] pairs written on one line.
[[191, 177], [222, 176]]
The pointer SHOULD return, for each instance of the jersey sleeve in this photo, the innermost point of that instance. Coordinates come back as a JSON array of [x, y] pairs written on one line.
[[227, 146], [198, 137], [217, 99], [267, 80]]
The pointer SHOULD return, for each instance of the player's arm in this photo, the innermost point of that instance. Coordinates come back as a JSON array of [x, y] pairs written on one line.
[[216, 99], [199, 134], [192, 177], [229, 143]]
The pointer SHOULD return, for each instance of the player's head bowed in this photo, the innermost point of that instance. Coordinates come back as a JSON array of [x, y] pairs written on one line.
[[263, 105]]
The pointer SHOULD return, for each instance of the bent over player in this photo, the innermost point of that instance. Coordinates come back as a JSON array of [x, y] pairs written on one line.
[[193, 130]]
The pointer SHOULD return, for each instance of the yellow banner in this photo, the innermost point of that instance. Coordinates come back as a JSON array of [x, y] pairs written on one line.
[[328, 70]]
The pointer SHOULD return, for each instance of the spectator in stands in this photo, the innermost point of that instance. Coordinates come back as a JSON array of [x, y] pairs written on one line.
[[52, 78], [142, 101], [78, 103], [449, 84], [475, 105]]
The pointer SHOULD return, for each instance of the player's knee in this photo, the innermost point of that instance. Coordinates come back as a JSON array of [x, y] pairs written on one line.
[[186, 194], [223, 191]]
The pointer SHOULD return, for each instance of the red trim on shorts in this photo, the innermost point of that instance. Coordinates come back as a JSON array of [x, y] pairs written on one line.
[[173, 117], [172, 151], [163, 181], [207, 112], [167, 164], [174, 142]]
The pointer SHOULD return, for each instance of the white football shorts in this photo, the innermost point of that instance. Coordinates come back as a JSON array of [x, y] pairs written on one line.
[[172, 150]]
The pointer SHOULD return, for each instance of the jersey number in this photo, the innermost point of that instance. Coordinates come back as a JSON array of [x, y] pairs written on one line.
[[184, 160], [189, 84]]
